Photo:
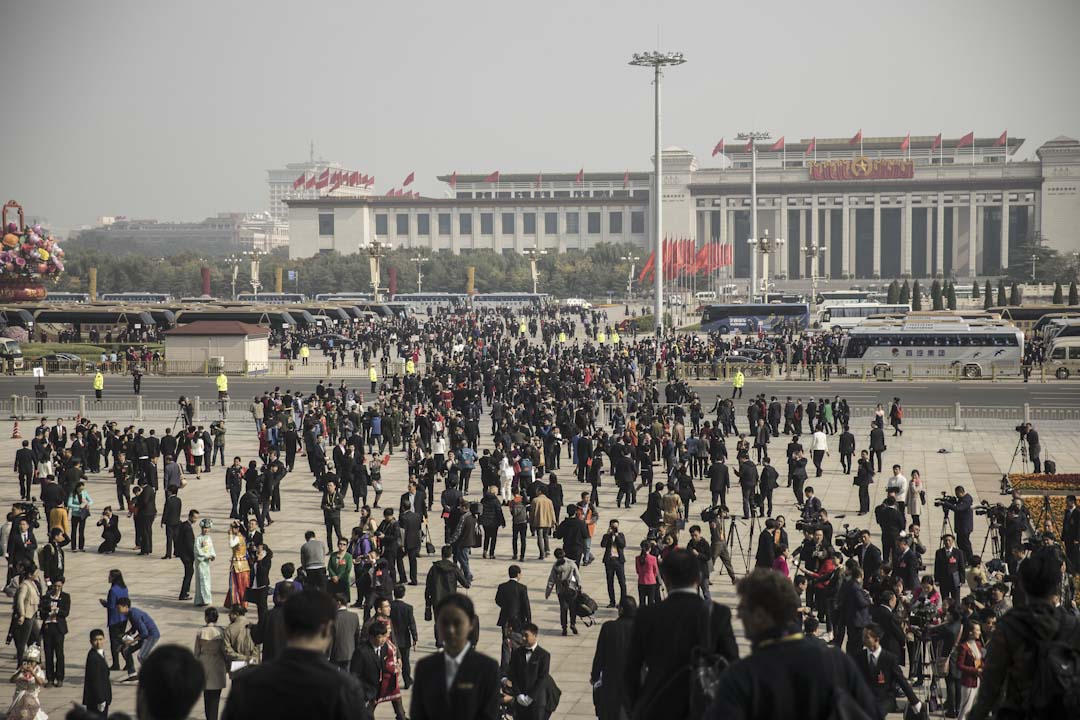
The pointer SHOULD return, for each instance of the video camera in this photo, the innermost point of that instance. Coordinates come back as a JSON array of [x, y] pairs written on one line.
[[994, 513], [26, 510], [848, 540], [714, 512], [922, 615], [945, 499]]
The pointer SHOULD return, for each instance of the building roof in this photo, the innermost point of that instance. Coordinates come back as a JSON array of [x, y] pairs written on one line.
[[219, 327]]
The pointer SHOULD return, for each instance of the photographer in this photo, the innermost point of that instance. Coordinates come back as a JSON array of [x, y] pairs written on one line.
[[1016, 522], [1013, 663], [1028, 433], [716, 516], [964, 522]]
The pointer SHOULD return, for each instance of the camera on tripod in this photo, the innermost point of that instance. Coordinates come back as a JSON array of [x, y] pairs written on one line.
[[811, 525], [849, 540], [922, 615], [714, 512], [945, 499], [995, 513]]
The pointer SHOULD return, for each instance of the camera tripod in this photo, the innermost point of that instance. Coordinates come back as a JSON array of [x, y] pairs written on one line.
[[733, 532], [752, 533], [925, 683], [946, 528], [993, 535], [1021, 449], [1046, 513]]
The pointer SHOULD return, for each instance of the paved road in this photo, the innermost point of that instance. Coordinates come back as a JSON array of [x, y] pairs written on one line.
[[858, 393]]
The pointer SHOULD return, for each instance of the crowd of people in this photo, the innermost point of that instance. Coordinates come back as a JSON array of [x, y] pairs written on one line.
[[504, 420]]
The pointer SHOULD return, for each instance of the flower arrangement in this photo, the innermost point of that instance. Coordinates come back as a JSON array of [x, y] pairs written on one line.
[[27, 252], [1063, 484]]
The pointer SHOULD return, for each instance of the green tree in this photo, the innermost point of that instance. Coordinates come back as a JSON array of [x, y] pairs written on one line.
[[974, 289], [1059, 296], [935, 295], [916, 296], [905, 293], [1001, 301], [988, 296], [1014, 295], [951, 296], [1073, 299], [894, 293]]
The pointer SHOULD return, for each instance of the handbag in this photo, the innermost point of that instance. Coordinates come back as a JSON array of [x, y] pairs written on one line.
[[427, 613]]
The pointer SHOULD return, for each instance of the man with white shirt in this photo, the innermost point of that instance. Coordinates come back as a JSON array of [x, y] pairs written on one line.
[[899, 483], [819, 446], [528, 673]]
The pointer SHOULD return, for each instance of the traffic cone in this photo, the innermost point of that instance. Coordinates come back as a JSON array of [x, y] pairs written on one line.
[[15, 434]]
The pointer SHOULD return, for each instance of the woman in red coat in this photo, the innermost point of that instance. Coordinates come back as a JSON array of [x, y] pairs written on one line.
[[969, 660]]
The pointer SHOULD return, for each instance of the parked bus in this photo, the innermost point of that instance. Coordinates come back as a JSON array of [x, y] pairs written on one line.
[[428, 302], [976, 349], [58, 298], [1048, 325], [844, 297], [136, 297], [509, 300], [751, 317], [272, 298], [1026, 316], [847, 316], [344, 297]]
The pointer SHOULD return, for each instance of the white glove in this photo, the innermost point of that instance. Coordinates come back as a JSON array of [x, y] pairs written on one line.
[[524, 700], [917, 708]]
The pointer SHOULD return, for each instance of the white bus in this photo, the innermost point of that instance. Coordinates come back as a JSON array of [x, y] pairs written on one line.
[[136, 297], [843, 297], [272, 298], [66, 297], [847, 316], [344, 296], [429, 302], [509, 300], [917, 348]]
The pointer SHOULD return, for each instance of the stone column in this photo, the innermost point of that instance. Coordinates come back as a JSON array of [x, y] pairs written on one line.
[[826, 241], [1004, 260], [930, 241], [905, 236], [957, 260], [846, 267], [877, 235], [978, 237], [814, 236], [973, 236], [939, 263], [780, 256]]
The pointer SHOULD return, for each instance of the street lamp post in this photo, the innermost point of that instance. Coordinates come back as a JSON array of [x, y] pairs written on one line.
[[632, 259], [419, 260], [234, 261], [534, 253], [657, 61], [1033, 259], [765, 245], [255, 256], [753, 136], [376, 250], [812, 252]]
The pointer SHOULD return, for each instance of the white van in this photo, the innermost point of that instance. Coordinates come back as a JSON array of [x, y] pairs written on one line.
[[578, 303], [10, 350], [1063, 358], [705, 296]]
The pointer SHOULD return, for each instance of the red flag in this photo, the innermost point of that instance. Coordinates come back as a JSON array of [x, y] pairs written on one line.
[[936, 143], [1000, 142], [778, 145], [968, 139], [453, 180], [493, 177], [810, 148], [299, 182], [580, 176], [323, 181], [334, 187], [701, 261], [906, 143], [356, 178], [310, 184], [857, 139], [718, 148], [409, 178], [626, 179], [750, 145], [648, 266], [539, 179], [336, 177]]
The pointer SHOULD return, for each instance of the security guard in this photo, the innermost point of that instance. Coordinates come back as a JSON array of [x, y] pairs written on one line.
[[99, 385], [373, 376], [222, 385], [737, 384], [305, 353]]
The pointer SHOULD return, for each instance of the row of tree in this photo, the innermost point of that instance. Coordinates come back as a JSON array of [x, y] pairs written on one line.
[[944, 296]]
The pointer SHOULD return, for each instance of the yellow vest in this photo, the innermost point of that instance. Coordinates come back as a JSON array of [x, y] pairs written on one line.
[[410, 366], [222, 383], [522, 328], [99, 381], [373, 376], [562, 337], [304, 351], [615, 338], [739, 379], [600, 337]]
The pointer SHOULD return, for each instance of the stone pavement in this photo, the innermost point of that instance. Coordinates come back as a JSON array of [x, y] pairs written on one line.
[[973, 460]]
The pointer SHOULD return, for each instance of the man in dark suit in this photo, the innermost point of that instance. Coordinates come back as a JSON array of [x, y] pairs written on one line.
[[25, 466], [528, 673], [22, 545], [403, 620], [512, 597], [185, 550], [614, 549], [891, 523], [412, 525], [881, 671], [145, 514], [609, 696], [748, 482], [949, 564], [964, 518], [458, 683], [573, 532], [1070, 533], [719, 481], [883, 614], [300, 682], [877, 445], [847, 450], [664, 636], [906, 564], [415, 498], [1034, 449], [346, 634], [171, 519], [97, 689], [869, 556], [54, 609]]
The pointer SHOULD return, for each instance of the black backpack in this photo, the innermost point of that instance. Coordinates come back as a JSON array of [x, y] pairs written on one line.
[[1055, 691]]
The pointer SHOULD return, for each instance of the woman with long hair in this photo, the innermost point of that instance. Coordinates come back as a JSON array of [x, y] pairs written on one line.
[[78, 505], [239, 568], [210, 652]]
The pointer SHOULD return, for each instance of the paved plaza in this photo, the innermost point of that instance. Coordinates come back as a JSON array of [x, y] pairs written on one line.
[[975, 458]]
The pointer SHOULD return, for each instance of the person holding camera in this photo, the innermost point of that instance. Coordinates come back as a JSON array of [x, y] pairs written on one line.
[[964, 521], [614, 547]]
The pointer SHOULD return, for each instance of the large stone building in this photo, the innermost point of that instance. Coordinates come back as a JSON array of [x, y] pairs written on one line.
[[932, 208], [225, 232]]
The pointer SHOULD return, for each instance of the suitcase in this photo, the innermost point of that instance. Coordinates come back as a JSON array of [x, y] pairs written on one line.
[[1050, 467]]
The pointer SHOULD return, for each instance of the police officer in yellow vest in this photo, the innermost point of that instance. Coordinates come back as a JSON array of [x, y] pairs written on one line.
[[410, 367], [615, 337], [562, 337], [99, 385], [737, 384], [601, 337], [373, 376], [522, 328], [222, 385], [305, 353]]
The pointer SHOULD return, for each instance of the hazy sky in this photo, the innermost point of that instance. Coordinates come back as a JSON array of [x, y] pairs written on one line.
[[175, 110]]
